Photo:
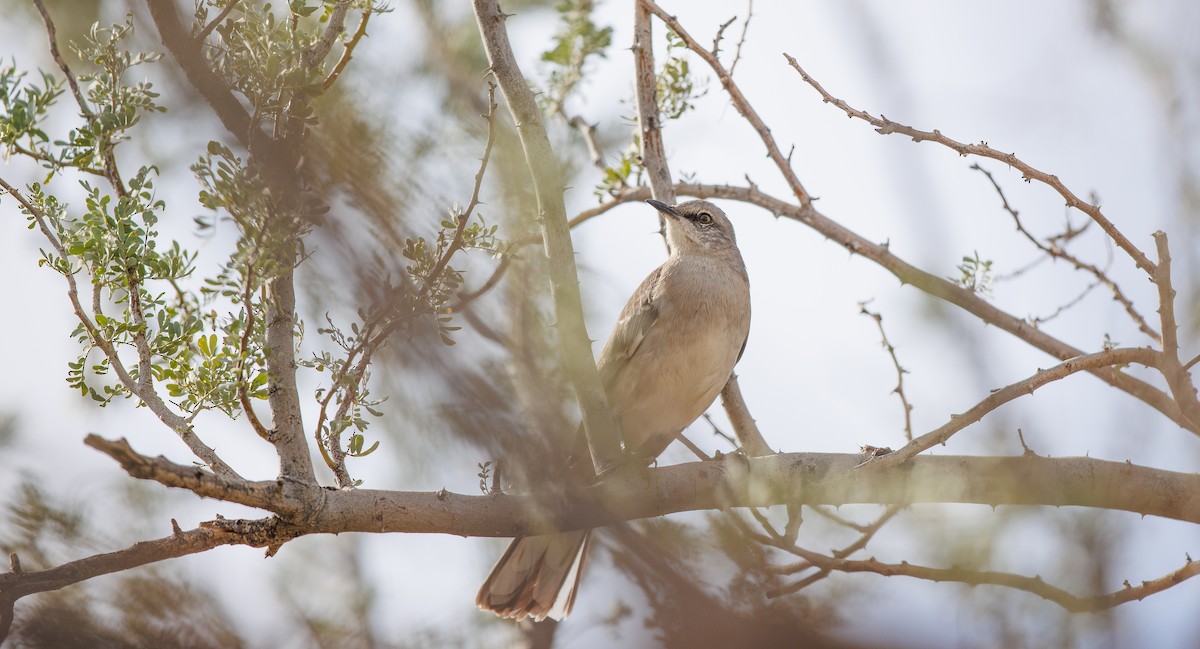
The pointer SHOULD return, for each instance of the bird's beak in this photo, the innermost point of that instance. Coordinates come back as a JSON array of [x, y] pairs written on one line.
[[664, 208]]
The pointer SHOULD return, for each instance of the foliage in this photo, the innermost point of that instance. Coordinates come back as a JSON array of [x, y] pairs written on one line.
[[975, 274], [577, 39]]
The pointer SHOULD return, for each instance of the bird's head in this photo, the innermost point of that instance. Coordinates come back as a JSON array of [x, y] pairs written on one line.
[[696, 226]]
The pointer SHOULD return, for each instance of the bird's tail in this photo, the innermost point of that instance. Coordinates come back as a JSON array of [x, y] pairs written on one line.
[[537, 577]]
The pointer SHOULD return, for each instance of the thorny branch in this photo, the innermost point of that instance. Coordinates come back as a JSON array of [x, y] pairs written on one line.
[[1107, 358], [900, 371], [1056, 251], [739, 101], [1179, 380], [885, 126], [930, 283]]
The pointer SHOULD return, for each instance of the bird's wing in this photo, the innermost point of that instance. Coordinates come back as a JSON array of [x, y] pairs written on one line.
[[635, 321]]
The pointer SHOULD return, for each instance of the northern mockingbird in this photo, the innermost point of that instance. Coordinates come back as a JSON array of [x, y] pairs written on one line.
[[672, 350]]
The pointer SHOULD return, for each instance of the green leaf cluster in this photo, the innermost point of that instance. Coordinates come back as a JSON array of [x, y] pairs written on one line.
[[577, 39]]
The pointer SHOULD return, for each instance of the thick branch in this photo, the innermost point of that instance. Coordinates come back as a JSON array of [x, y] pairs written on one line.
[[287, 431], [575, 345], [787, 478]]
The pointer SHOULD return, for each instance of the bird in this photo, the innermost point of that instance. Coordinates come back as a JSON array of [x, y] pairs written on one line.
[[671, 352]]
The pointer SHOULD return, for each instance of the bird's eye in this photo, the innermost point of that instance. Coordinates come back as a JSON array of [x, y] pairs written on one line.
[[704, 219]]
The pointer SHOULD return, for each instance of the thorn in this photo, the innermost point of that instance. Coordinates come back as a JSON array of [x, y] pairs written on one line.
[[14, 563], [175, 528]]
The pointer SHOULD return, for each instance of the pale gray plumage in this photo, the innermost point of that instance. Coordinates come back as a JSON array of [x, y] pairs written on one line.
[[672, 350]]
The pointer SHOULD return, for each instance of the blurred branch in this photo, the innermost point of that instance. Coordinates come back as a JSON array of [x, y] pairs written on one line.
[[885, 126], [1058, 252], [575, 345]]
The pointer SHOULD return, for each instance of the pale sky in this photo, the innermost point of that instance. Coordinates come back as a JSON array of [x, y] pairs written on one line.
[[1031, 77]]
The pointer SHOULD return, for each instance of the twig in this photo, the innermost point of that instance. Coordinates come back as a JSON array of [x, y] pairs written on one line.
[[591, 137], [737, 52], [1058, 252], [62, 64], [1106, 358], [149, 397], [900, 371], [716, 48], [739, 101], [866, 534], [348, 51], [207, 29], [466, 298], [718, 432], [1033, 585], [885, 126]]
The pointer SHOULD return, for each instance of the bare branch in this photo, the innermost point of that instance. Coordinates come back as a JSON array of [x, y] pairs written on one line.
[[784, 478], [739, 101], [737, 52], [940, 288], [1106, 358], [654, 155], [1034, 585], [886, 126], [900, 371], [1058, 252], [1178, 379]]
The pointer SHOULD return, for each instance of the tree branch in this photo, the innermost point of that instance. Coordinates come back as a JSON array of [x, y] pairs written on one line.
[[654, 158], [1106, 358], [574, 343], [739, 101], [885, 126], [736, 481], [942, 289], [1179, 380], [1056, 251]]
